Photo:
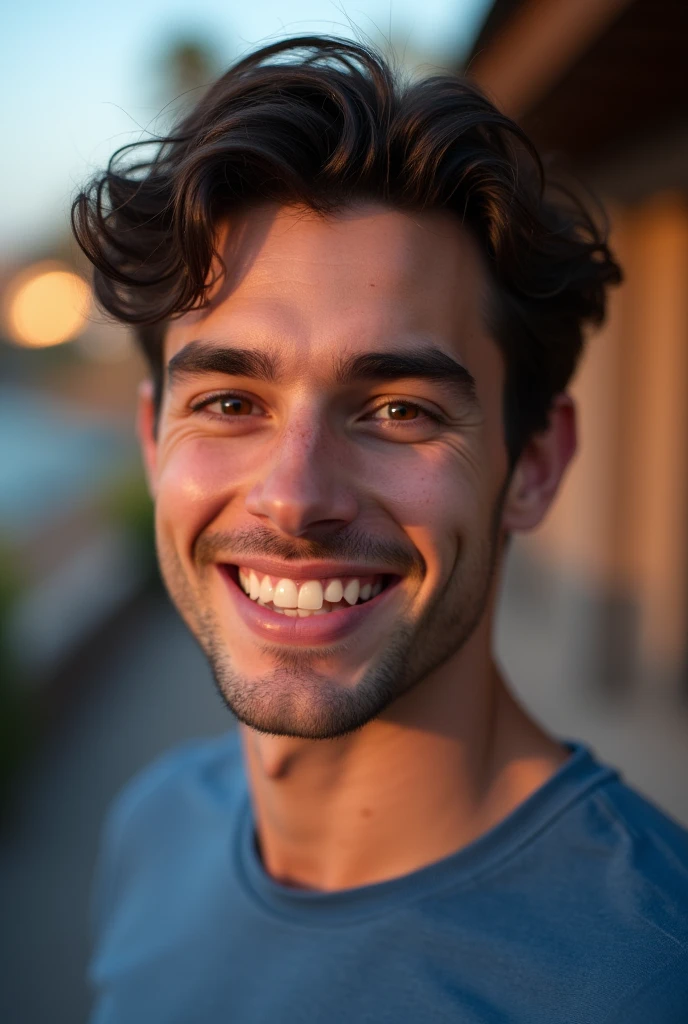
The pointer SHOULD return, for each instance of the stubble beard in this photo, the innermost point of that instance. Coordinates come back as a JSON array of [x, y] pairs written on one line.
[[296, 698]]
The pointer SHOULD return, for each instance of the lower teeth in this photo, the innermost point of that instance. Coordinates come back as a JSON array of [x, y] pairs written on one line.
[[302, 613]]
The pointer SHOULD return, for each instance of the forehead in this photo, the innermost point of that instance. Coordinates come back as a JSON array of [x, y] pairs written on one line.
[[367, 277]]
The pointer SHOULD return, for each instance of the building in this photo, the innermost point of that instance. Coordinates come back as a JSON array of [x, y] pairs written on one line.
[[601, 84]]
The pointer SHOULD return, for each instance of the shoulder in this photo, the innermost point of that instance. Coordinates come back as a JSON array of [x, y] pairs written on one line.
[[163, 847], [596, 893], [607, 888], [166, 814], [648, 864], [197, 772], [630, 865]]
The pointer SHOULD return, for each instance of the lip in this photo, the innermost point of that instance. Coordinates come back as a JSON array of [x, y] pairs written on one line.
[[311, 570], [315, 629]]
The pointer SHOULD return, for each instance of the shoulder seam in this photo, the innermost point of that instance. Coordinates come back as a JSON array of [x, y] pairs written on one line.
[[623, 822], [615, 814]]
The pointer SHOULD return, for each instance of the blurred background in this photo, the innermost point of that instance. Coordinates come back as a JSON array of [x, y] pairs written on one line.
[[97, 675]]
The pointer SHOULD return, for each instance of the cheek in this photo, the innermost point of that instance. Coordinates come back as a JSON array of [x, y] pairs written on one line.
[[438, 496], [430, 484], [195, 483]]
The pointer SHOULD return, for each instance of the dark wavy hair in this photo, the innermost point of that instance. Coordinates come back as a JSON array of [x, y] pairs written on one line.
[[327, 123]]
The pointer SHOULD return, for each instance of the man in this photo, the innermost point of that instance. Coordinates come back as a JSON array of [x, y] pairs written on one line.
[[361, 308]]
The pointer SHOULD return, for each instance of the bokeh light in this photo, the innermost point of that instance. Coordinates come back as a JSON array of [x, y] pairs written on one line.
[[47, 305]]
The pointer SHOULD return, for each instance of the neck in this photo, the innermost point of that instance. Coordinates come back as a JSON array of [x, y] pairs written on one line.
[[444, 764]]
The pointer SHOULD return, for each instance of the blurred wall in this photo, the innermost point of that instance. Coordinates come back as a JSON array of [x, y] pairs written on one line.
[[601, 87]]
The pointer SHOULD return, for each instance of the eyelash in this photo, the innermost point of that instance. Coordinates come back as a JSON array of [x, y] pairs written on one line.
[[202, 405]]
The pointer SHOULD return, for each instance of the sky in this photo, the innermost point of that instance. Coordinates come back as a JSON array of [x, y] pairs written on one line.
[[78, 78]]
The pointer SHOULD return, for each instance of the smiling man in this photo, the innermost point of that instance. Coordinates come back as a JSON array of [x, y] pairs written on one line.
[[361, 306]]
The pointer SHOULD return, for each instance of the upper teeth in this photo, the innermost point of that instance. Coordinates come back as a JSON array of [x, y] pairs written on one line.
[[310, 595]]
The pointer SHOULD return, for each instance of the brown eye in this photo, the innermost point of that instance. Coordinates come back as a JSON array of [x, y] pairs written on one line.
[[234, 405], [402, 411]]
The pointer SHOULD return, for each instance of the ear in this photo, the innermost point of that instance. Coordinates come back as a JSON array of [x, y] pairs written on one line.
[[145, 429], [540, 468]]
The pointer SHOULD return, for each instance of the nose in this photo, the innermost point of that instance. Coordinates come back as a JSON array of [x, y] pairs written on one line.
[[305, 484]]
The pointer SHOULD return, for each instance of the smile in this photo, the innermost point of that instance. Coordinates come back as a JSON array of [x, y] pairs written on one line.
[[306, 611], [310, 597]]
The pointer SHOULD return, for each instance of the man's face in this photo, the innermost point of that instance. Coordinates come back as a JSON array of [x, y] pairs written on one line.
[[331, 432]]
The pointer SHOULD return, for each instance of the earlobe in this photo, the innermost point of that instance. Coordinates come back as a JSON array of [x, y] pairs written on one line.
[[146, 431], [540, 469]]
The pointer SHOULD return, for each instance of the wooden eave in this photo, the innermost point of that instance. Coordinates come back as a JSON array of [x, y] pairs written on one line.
[[586, 78]]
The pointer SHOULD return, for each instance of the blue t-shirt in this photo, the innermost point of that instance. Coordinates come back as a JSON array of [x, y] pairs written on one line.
[[573, 909]]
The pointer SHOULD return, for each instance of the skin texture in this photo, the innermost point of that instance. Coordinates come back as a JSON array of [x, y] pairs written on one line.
[[377, 754]]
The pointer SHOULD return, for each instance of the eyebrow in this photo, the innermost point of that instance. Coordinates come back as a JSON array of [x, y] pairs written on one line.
[[424, 363], [200, 357]]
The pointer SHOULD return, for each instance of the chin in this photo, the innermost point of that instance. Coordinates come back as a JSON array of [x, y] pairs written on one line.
[[292, 698]]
